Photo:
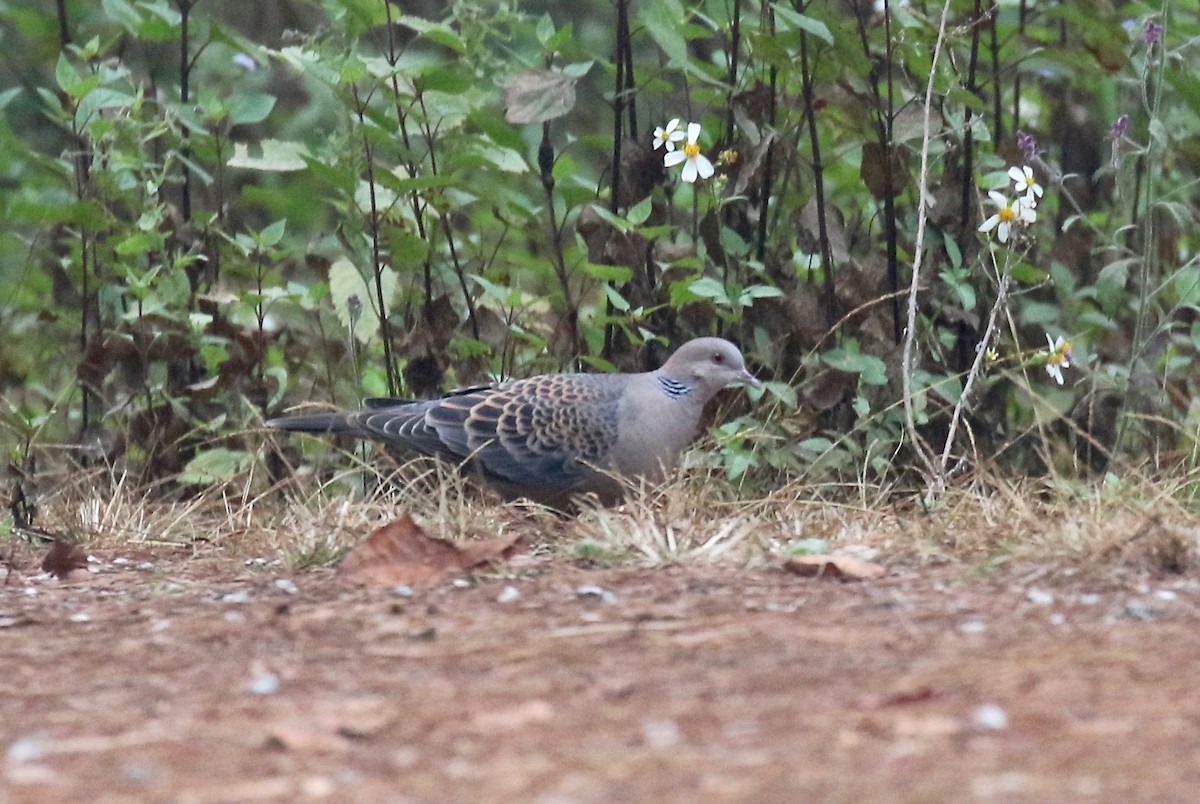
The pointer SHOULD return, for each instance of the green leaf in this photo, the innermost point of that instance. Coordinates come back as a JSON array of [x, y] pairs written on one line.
[[608, 273], [640, 212], [664, 20], [748, 295], [218, 465], [272, 234], [707, 287], [354, 300], [1026, 274], [783, 392], [64, 74], [7, 96], [250, 108], [616, 221], [276, 156], [788, 19], [952, 250], [870, 369], [545, 29]]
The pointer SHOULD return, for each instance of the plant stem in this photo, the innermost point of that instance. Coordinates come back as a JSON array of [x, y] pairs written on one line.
[[937, 479]]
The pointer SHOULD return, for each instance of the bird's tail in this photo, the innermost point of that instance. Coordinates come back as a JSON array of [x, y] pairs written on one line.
[[331, 423]]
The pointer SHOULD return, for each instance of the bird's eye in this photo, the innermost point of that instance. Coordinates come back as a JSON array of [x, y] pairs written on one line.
[[718, 358]]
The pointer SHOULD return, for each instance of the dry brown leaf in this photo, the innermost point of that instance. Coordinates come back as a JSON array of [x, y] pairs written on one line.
[[874, 166], [853, 569], [536, 96], [401, 553], [63, 558]]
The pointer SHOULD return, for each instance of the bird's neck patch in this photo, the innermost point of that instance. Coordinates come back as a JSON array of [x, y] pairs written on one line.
[[673, 388]]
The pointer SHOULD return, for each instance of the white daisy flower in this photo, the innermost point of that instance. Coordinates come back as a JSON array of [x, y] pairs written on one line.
[[696, 163], [1008, 214], [1059, 357], [1024, 182], [668, 135]]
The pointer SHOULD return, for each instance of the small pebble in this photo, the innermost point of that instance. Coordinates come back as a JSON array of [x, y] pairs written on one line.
[[1039, 597], [235, 597], [140, 772], [26, 749], [1165, 594], [591, 590], [1089, 599], [460, 583], [508, 595], [403, 591], [1057, 618], [1140, 611], [972, 626], [265, 684], [121, 561], [287, 585], [80, 617], [990, 717], [234, 617], [146, 565], [661, 733]]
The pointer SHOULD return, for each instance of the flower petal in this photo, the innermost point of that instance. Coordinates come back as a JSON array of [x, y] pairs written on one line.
[[674, 158], [704, 167], [689, 171], [990, 223], [693, 132]]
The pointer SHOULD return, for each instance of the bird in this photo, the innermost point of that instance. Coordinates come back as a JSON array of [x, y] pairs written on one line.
[[553, 437]]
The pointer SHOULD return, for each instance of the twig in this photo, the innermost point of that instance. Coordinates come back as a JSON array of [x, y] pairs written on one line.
[[936, 478]]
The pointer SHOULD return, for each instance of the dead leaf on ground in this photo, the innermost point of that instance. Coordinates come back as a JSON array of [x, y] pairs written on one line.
[[853, 569], [401, 553], [63, 558]]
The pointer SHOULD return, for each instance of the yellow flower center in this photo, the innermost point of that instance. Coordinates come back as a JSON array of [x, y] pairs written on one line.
[[691, 150], [1008, 214]]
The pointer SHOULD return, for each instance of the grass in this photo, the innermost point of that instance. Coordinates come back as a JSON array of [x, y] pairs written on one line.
[[1110, 528]]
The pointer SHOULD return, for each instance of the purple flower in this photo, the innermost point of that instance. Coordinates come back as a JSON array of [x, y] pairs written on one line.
[[1028, 145], [1153, 32], [1116, 132]]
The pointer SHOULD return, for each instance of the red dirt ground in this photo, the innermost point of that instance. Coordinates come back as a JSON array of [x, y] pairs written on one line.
[[203, 680]]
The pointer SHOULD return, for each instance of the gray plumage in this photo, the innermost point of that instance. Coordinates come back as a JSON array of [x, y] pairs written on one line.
[[555, 435]]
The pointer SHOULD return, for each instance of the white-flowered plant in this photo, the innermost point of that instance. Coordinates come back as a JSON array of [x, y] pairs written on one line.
[[1020, 210], [668, 135], [1058, 357], [1025, 185], [695, 163], [1009, 213]]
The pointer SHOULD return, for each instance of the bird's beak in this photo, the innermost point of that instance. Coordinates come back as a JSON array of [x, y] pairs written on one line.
[[746, 378]]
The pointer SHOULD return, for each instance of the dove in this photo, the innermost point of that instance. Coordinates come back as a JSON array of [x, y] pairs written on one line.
[[554, 436]]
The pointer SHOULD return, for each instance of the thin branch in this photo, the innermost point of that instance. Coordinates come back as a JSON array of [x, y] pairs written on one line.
[[936, 478]]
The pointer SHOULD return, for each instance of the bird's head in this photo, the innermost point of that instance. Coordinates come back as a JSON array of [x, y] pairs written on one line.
[[709, 364]]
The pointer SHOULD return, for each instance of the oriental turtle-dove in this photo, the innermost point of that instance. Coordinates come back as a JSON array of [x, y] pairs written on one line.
[[556, 435]]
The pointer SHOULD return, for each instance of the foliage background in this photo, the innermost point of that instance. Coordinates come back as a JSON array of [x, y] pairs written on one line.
[[213, 210]]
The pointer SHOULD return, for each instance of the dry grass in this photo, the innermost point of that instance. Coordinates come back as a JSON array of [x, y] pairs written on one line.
[[1115, 529]]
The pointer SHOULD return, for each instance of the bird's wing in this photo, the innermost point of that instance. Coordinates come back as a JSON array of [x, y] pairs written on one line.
[[544, 431]]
